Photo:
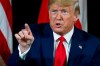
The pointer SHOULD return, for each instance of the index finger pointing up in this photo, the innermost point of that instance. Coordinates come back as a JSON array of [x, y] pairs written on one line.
[[27, 28]]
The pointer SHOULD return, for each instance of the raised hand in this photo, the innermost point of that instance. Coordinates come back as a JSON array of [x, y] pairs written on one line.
[[25, 38]]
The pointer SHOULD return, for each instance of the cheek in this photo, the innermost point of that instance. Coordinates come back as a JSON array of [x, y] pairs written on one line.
[[51, 17], [69, 19], [52, 20], [68, 22]]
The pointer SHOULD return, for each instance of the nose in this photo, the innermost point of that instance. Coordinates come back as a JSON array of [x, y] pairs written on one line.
[[59, 17]]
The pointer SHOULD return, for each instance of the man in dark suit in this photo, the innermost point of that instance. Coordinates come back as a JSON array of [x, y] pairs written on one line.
[[40, 45]]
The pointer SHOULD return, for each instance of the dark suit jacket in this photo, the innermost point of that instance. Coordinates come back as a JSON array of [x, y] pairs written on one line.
[[85, 49]]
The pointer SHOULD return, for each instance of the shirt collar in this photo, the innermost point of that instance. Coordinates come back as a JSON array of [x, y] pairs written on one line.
[[66, 36]]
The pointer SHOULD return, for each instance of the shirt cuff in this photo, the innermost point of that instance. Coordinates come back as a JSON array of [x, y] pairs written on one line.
[[23, 55]]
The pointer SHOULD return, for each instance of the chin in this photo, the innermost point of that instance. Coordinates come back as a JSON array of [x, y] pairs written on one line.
[[58, 31]]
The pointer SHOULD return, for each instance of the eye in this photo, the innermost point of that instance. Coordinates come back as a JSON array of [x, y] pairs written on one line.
[[54, 11], [64, 12]]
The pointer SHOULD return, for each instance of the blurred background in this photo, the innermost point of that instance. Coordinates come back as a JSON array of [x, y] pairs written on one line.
[[15, 13]]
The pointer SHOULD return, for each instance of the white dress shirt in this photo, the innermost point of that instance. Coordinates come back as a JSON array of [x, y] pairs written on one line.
[[67, 44]]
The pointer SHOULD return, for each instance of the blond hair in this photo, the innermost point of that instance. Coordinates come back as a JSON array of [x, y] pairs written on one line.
[[61, 2], [65, 3]]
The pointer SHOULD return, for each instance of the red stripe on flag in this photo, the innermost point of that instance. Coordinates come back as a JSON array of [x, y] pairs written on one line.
[[78, 24], [4, 49], [8, 10], [43, 15]]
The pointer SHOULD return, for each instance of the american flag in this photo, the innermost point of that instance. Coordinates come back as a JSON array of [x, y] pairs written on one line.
[[5, 29]]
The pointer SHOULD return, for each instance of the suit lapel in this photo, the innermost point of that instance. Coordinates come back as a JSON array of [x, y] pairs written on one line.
[[47, 50], [77, 45], [75, 51], [47, 46]]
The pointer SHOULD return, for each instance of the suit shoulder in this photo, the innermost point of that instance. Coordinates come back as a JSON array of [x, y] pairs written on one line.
[[86, 36], [40, 29], [35, 26]]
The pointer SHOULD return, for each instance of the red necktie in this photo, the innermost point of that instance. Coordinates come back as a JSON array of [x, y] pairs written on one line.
[[60, 54]]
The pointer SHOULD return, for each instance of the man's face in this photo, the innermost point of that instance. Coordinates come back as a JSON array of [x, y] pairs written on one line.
[[62, 19]]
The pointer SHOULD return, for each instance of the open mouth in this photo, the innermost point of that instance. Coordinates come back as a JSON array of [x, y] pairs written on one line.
[[58, 25]]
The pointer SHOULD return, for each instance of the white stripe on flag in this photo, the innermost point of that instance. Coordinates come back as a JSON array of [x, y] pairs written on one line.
[[83, 14], [5, 27]]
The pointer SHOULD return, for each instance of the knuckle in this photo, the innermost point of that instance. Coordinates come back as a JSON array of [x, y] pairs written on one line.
[[20, 32]]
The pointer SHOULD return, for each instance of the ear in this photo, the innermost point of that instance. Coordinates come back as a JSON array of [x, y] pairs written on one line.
[[75, 18]]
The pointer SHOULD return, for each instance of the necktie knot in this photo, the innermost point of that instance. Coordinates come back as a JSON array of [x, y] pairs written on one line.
[[62, 39]]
